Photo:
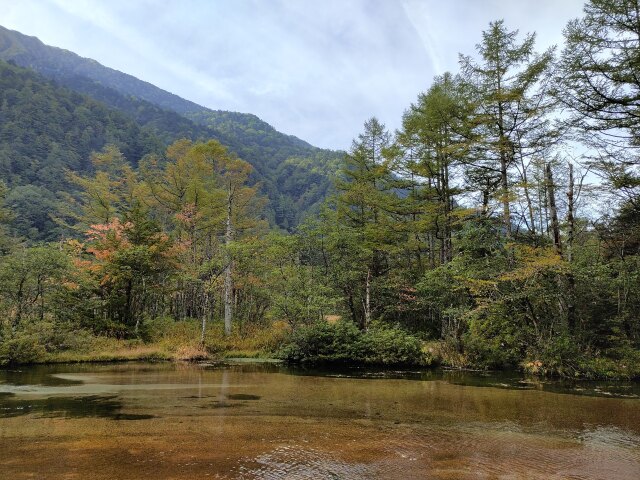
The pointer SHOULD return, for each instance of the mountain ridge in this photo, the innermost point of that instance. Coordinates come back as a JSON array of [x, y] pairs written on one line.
[[293, 174], [59, 63]]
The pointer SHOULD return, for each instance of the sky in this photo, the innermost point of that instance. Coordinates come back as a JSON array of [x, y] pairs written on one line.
[[316, 69]]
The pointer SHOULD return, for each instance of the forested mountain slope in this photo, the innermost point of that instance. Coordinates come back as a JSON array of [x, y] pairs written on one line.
[[169, 117], [46, 130], [65, 66]]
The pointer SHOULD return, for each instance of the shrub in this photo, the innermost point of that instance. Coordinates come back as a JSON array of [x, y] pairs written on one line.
[[343, 342], [21, 349], [494, 339], [391, 346], [34, 340]]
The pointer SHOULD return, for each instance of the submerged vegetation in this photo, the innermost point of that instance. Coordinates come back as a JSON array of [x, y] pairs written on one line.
[[499, 227]]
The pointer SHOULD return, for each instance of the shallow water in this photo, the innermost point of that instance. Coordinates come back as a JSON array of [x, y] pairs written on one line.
[[245, 421]]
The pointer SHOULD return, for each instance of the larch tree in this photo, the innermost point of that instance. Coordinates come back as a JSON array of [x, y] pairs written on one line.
[[240, 206], [366, 203], [598, 82], [434, 146], [510, 85]]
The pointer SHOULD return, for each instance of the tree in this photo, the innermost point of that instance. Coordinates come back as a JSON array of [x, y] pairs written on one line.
[[33, 211], [203, 195], [239, 204], [105, 195], [510, 88], [434, 143], [365, 206], [28, 277], [6, 216], [183, 193], [598, 82], [132, 260]]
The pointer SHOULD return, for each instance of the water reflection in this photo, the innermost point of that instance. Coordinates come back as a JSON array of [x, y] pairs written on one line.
[[270, 421], [67, 407], [509, 380]]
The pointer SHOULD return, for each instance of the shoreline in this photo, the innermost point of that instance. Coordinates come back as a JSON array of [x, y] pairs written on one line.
[[159, 356]]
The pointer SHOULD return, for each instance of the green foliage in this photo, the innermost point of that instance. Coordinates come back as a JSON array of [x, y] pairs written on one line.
[[342, 342], [281, 162], [494, 339], [34, 340], [296, 291], [33, 207], [23, 346], [455, 229], [29, 279], [384, 345]]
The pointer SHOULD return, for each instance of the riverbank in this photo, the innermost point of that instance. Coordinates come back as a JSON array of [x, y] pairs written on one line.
[[127, 351], [621, 364], [160, 340], [341, 344]]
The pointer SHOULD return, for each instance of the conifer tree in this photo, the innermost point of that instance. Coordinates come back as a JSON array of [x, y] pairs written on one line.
[[510, 88]]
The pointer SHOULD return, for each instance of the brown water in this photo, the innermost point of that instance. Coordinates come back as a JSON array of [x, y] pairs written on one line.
[[245, 421]]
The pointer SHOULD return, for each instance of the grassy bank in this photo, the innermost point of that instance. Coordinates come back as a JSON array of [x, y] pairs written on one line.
[[160, 339], [164, 339], [619, 364]]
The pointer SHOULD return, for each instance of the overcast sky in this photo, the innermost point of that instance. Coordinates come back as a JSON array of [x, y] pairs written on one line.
[[316, 69]]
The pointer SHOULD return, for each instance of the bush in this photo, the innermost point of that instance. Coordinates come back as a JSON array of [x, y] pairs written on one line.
[[495, 339], [161, 328], [557, 357], [34, 339], [563, 358], [21, 349], [343, 342], [392, 346]]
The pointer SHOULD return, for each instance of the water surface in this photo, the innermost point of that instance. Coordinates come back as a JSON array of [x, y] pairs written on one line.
[[246, 421]]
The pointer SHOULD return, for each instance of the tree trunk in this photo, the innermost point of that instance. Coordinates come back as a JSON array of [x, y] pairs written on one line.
[[485, 202], [570, 215], [203, 330], [555, 226], [571, 282], [504, 144], [448, 208], [367, 302], [228, 281], [527, 195], [504, 183]]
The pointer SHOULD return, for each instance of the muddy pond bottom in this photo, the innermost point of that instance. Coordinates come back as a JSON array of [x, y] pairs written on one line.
[[267, 421]]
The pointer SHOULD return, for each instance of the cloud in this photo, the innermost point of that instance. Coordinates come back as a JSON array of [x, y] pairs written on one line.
[[317, 70]]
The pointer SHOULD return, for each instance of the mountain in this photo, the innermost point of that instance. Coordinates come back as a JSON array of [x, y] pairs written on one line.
[[46, 129], [62, 65], [274, 155]]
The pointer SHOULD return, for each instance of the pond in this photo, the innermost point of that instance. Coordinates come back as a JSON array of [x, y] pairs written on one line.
[[268, 421]]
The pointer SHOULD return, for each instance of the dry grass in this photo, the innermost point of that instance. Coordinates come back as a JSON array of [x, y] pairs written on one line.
[[247, 341], [167, 339], [190, 353], [120, 351], [445, 354]]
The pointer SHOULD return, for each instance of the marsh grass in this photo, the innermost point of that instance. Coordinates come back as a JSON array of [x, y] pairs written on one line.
[[161, 339]]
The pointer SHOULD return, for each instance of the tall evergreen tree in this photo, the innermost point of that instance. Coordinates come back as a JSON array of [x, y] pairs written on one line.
[[366, 203], [599, 83], [510, 87], [434, 146]]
